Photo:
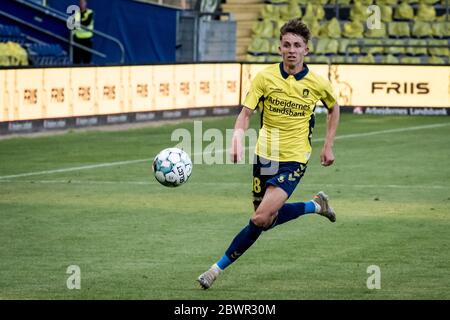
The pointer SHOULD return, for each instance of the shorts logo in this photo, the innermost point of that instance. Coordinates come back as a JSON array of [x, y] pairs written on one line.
[[235, 255], [281, 179]]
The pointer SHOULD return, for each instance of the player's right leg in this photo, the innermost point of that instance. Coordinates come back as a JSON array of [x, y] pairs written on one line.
[[261, 220], [262, 217]]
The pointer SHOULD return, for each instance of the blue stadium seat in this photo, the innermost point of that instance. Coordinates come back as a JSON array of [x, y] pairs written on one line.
[[11, 33], [47, 54]]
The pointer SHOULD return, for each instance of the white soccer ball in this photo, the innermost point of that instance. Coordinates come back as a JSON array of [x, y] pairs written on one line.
[[172, 167]]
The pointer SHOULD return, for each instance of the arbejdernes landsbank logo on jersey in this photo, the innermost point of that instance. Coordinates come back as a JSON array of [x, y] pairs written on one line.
[[287, 107]]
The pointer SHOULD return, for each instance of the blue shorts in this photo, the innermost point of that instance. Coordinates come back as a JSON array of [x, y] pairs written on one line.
[[285, 175]]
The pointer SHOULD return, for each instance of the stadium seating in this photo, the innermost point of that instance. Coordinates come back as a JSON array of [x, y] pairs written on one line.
[[410, 31], [47, 54], [11, 33], [11, 51], [15, 49], [12, 54]]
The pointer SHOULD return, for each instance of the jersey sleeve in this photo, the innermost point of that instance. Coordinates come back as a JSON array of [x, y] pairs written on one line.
[[328, 98], [255, 93]]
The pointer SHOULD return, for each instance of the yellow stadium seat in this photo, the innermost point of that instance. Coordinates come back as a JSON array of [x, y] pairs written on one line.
[[270, 12], [386, 13], [342, 2], [390, 59], [376, 33], [292, 10], [410, 60], [366, 59], [257, 27], [313, 12], [273, 58], [440, 29], [358, 12], [263, 29], [436, 60], [259, 45], [252, 58], [330, 29], [313, 26], [273, 46], [395, 47], [386, 2], [370, 49], [321, 46], [353, 29], [425, 13], [321, 2], [404, 11], [343, 43], [276, 28], [399, 29], [431, 1], [442, 50], [421, 29], [320, 59], [441, 18], [447, 29], [326, 46], [311, 46], [417, 51], [339, 59], [12, 54], [353, 46]]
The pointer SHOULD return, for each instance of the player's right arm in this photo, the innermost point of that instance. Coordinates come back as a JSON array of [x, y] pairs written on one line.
[[241, 125], [251, 101]]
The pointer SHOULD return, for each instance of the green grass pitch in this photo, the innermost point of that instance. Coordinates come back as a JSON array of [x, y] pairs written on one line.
[[135, 239]]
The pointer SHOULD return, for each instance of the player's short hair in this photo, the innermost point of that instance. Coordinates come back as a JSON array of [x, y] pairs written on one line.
[[296, 26]]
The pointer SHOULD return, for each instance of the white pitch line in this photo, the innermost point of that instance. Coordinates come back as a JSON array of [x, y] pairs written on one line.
[[93, 166], [358, 135], [148, 183], [118, 163]]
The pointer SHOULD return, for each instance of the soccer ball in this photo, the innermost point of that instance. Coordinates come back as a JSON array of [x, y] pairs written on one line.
[[172, 167]]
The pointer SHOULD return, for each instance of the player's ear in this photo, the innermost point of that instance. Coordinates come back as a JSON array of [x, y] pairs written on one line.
[[306, 50]]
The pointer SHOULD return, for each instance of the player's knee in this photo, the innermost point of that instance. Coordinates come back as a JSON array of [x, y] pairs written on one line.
[[262, 219], [259, 221]]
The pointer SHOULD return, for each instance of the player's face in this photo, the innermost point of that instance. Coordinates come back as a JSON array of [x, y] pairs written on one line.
[[293, 49]]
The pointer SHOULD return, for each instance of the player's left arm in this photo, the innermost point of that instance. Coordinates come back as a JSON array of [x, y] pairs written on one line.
[[327, 155]]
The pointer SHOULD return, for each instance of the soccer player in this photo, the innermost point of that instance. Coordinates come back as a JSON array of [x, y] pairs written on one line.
[[287, 93]]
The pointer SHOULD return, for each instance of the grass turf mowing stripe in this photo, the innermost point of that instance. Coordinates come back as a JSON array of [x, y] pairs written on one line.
[[126, 162]]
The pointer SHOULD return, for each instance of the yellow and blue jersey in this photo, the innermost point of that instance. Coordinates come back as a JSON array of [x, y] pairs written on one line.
[[287, 104]]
